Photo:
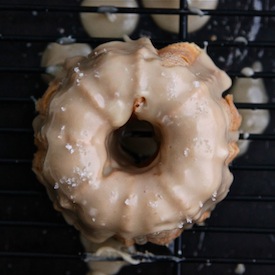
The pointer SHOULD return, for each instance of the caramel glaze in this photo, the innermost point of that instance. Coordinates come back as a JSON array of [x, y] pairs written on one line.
[[178, 90]]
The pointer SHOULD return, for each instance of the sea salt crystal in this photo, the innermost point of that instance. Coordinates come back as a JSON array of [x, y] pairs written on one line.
[[93, 212], [69, 181], [153, 204], [69, 147], [127, 202], [186, 152], [76, 69], [96, 74], [132, 200], [167, 120], [83, 173], [196, 84], [180, 225], [72, 198], [214, 196], [61, 132]]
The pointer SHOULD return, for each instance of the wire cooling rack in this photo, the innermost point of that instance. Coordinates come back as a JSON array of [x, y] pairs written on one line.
[[239, 238]]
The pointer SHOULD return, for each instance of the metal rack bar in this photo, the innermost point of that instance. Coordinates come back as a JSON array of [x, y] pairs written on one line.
[[142, 257], [77, 9], [177, 249], [214, 44]]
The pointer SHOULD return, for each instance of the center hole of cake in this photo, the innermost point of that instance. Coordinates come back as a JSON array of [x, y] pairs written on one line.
[[136, 143]]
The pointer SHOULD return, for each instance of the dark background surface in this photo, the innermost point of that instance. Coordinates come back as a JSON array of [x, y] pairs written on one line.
[[34, 239]]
